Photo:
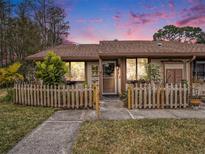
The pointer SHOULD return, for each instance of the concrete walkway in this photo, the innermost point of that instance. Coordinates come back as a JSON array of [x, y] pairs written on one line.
[[113, 109], [56, 135]]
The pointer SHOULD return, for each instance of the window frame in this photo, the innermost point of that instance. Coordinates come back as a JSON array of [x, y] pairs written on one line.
[[94, 65], [136, 73], [196, 70], [135, 68]]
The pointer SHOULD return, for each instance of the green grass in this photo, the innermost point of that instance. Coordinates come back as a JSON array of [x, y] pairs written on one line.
[[168, 136], [16, 121]]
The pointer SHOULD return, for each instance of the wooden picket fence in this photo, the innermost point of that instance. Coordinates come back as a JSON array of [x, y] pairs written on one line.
[[147, 96], [60, 96]]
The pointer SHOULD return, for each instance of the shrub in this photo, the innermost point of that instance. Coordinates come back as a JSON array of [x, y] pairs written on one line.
[[153, 73], [124, 98], [28, 70], [10, 74], [52, 70], [9, 96]]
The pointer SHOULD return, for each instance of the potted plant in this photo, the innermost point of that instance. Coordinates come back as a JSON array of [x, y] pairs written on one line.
[[195, 99]]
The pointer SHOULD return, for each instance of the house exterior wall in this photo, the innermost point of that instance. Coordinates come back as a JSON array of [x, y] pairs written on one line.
[[200, 87], [185, 66], [90, 78], [121, 71]]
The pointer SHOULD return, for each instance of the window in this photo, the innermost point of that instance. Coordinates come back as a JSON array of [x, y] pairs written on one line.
[[200, 70], [131, 69], [94, 70], [76, 71], [141, 68], [136, 68]]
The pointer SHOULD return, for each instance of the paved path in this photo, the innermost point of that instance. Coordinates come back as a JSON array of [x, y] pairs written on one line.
[[113, 109], [56, 135]]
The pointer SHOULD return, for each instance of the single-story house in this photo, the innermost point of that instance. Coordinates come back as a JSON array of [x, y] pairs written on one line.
[[114, 63]]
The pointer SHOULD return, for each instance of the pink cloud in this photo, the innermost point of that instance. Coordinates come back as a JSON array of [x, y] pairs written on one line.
[[91, 20], [86, 35], [150, 7], [130, 26], [116, 17], [192, 21], [171, 4], [145, 18], [193, 16]]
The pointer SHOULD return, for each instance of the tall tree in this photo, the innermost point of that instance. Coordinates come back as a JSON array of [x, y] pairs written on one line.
[[28, 27], [57, 26], [181, 34], [5, 20]]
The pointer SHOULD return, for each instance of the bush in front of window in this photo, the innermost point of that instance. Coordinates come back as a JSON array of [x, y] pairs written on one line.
[[153, 72], [52, 70]]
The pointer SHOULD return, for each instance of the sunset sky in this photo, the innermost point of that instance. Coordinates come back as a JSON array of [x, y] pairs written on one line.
[[94, 20]]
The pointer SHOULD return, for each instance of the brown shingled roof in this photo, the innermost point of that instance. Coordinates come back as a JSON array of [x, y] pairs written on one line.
[[150, 48], [70, 52], [123, 48]]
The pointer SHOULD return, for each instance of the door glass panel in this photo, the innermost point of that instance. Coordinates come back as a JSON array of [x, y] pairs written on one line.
[[108, 69]]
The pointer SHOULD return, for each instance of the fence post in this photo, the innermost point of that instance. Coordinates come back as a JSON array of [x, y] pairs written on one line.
[[129, 96], [94, 93], [97, 105]]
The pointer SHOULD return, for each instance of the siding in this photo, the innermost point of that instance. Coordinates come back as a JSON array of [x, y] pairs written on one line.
[[174, 65], [90, 79]]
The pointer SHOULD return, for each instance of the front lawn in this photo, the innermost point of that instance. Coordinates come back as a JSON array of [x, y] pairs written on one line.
[[2, 93], [16, 121], [142, 136]]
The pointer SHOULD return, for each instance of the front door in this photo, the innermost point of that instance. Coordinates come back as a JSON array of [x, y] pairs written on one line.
[[109, 77]]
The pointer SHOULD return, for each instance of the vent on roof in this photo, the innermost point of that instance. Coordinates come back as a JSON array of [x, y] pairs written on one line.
[[159, 44]]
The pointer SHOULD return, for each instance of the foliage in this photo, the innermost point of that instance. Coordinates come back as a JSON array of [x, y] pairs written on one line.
[[141, 136], [9, 96], [29, 26], [201, 38], [58, 27], [17, 121], [28, 70], [52, 70], [153, 72], [10, 74], [124, 98], [181, 34]]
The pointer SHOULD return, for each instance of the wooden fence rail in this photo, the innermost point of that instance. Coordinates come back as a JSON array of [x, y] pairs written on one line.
[[143, 96], [60, 96]]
